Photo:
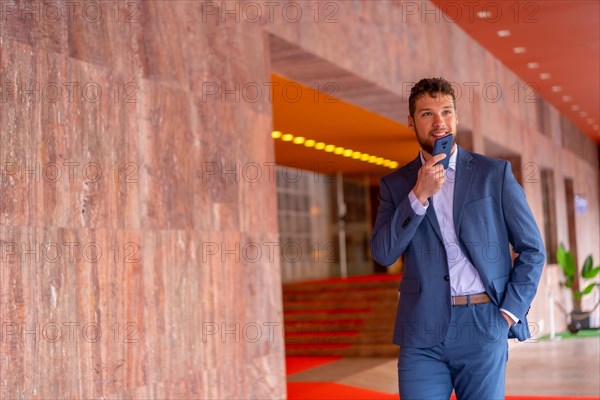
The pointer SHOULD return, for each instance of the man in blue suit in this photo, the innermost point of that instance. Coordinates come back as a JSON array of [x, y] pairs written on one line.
[[462, 294]]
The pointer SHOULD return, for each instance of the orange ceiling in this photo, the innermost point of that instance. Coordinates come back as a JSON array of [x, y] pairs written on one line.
[[562, 37], [302, 111]]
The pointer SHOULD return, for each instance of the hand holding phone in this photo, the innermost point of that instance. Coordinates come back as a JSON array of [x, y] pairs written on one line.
[[444, 145]]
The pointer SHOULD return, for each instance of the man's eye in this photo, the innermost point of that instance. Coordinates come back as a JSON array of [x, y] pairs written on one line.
[[426, 114]]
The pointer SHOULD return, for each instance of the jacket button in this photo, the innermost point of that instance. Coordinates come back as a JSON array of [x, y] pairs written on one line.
[[446, 278]]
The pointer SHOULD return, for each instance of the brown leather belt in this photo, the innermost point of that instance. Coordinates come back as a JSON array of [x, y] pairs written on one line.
[[474, 299]]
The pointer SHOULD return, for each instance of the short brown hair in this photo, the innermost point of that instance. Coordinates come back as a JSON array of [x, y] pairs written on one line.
[[431, 86]]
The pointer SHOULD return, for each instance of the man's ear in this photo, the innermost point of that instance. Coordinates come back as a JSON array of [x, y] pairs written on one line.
[[411, 123]]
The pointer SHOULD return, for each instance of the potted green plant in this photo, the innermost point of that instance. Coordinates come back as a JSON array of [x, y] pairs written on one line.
[[566, 260]]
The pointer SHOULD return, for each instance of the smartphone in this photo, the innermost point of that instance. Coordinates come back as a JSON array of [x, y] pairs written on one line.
[[443, 145]]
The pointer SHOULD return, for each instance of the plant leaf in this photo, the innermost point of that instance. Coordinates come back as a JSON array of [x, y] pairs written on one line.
[[569, 267], [588, 271], [592, 273], [560, 255], [588, 289], [587, 266]]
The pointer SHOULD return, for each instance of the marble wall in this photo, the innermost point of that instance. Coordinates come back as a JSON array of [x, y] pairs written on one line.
[[121, 274], [136, 254]]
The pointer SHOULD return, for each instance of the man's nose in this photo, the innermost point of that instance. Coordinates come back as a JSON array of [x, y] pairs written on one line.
[[438, 120]]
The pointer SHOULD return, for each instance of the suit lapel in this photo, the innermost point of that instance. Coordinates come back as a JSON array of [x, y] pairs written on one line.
[[465, 172], [432, 218]]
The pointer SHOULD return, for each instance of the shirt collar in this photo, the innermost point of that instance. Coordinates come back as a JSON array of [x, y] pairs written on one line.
[[452, 162]]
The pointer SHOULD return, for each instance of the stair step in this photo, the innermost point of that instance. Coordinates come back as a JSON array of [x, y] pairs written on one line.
[[375, 294], [339, 287], [336, 325], [343, 350], [366, 317], [339, 337], [349, 318], [373, 304]]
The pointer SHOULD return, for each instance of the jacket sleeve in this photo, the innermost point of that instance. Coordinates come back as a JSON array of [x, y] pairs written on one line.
[[526, 240], [395, 226]]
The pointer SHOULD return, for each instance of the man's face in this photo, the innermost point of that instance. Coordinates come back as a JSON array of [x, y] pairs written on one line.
[[434, 117]]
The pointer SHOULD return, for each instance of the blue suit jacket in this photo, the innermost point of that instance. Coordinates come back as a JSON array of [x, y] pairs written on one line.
[[490, 211]]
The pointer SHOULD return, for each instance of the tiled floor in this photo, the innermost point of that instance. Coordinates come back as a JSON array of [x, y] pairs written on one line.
[[546, 368]]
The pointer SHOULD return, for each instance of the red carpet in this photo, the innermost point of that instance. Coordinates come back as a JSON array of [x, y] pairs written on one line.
[[318, 346], [291, 335], [333, 391]]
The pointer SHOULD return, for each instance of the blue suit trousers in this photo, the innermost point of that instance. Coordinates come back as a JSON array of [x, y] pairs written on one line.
[[471, 359]]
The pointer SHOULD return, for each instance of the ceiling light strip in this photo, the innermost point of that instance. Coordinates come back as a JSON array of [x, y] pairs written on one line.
[[337, 150]]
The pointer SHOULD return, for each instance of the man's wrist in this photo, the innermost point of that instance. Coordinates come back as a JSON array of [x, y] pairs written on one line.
[[416, 205], [419, 195], [510, 317]]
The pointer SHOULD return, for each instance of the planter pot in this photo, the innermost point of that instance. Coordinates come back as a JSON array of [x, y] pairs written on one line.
[[579, 320]]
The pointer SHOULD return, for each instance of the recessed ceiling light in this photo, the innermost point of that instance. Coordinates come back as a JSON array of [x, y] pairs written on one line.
[[519, 50], [484, 14], [556, 89], [583, 114], [575, 107], [533, 65], [595, 127], [545, 75], [590, 121], [567, 98], [503, 33], [330, 148]]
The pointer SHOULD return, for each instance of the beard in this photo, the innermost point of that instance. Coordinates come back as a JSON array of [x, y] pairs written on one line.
[[427, 147]]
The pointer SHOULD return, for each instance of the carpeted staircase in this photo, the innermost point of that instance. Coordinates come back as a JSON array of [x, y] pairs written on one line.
[[351, 317]]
